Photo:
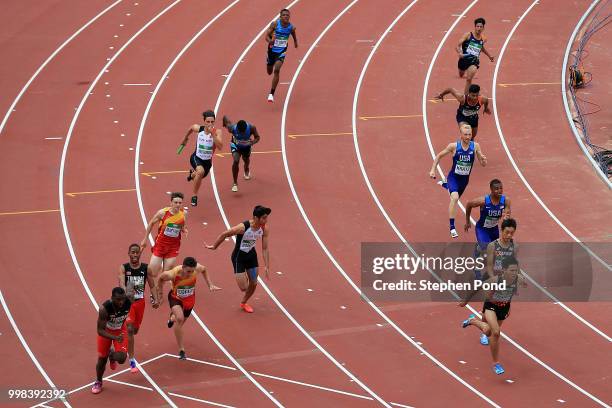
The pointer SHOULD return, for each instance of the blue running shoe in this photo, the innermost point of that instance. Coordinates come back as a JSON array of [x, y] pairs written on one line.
[[484, 340], [466, 322], [443, 185], [498, 369]]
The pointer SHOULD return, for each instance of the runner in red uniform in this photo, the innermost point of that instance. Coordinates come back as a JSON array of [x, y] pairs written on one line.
[[111, 332], [132, 278], [171, 222], [181, 297]]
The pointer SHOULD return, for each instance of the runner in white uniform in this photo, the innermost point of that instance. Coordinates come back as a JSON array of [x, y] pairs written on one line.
[[244, 255], [209, 139]]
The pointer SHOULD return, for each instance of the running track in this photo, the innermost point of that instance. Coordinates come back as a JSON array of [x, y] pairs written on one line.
[[400, 354]]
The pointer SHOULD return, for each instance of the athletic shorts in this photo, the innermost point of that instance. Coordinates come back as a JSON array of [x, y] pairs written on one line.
[[104, 344], [186, 304], [240, 151], [136, 313], [275, 56], [195, 161], [486, 235], [166, 250], [501, 311], [472, 120], [465, 62], [457, 183], [245, 262]]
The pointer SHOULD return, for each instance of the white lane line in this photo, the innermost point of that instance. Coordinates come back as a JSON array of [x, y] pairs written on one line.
[[324, 247], [216, 404], [41, 370], [226, 221], [131, 385], [61, 178], [137, 84], [566, 95], [516, 168], [424, 109], [158, 86], [48, 60]]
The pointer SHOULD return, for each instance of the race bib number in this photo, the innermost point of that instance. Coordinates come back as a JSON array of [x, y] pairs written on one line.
[[115, 323], [473, 49], [204, 152], [185, 292], [469, 112], [280, 42], [244, 143], [172, 230], [491, 222], [463, 168], [247, 244]]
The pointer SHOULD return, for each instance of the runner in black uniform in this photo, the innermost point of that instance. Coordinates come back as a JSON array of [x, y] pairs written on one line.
[[244, 255], [469, 48], [469, 106], [496, 308]]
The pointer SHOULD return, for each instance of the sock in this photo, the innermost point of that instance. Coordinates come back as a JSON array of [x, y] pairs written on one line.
[[272, 91], [452, 223]]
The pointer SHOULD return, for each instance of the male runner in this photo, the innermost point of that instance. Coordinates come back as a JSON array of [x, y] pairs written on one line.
[[209, 139], [277, 38], [133, 275], [469, 106], [244, 255], [181, 297], [496, 308], [111, 332], [463, 152], [171, 222], [469, 48], [244, 135]]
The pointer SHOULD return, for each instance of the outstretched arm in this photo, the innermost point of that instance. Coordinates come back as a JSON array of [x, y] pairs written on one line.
[[238, 229], [484, 50], [485, 104], [449, 149], [481, 157], [270, 33], [101, 325], [156, 218], [459, 47], [218, 139], [295, 42], [477, 202], [458, 96], [204, 272]]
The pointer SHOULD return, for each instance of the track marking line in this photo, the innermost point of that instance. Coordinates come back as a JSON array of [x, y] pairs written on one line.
[[203, 362], [53, 138], [253, 152], [216, 404], [389, 117], [28, 212], [131, 385], [294, 136], [123, 190], [528, 84], [150, 173], [137, 84]]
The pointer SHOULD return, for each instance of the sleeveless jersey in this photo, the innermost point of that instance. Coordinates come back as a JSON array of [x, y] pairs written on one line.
[[241, 140], [504, 296], [171, 227], [490, 214], [138, 277], [183, 288], [116, 318], [500, 253], [468, 110], [246, 242], [281, 37], [205, 146], [463, 160], [472, 46]]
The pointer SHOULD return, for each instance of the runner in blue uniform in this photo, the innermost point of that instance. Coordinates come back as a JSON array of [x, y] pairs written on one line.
[[277, 38], [469, 106], [469, 48], [464, 151], [244, 135]]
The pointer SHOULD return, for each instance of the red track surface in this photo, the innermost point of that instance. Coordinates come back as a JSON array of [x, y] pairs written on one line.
[[50, 305]]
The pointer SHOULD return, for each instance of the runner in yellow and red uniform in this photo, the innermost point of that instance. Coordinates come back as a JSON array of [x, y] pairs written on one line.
[[171, 222], [181, 297]]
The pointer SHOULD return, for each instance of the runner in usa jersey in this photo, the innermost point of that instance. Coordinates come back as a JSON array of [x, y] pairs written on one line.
[[181, 297], [244, 256], [463, 152]]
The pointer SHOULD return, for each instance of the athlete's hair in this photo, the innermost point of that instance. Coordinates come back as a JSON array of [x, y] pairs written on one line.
[[508, 223], [465, 126], [287, 10], [241, 126], [132, 246], [480, 20], [209, 114], [118, 291], [474, 88], [494, 182], [190, 261], [509, 261], [260, 211], [175, 195]]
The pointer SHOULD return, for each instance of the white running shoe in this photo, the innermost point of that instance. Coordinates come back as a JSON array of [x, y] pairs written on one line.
[[271, 98], [235, 188], [247, 176], [454, 234]]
